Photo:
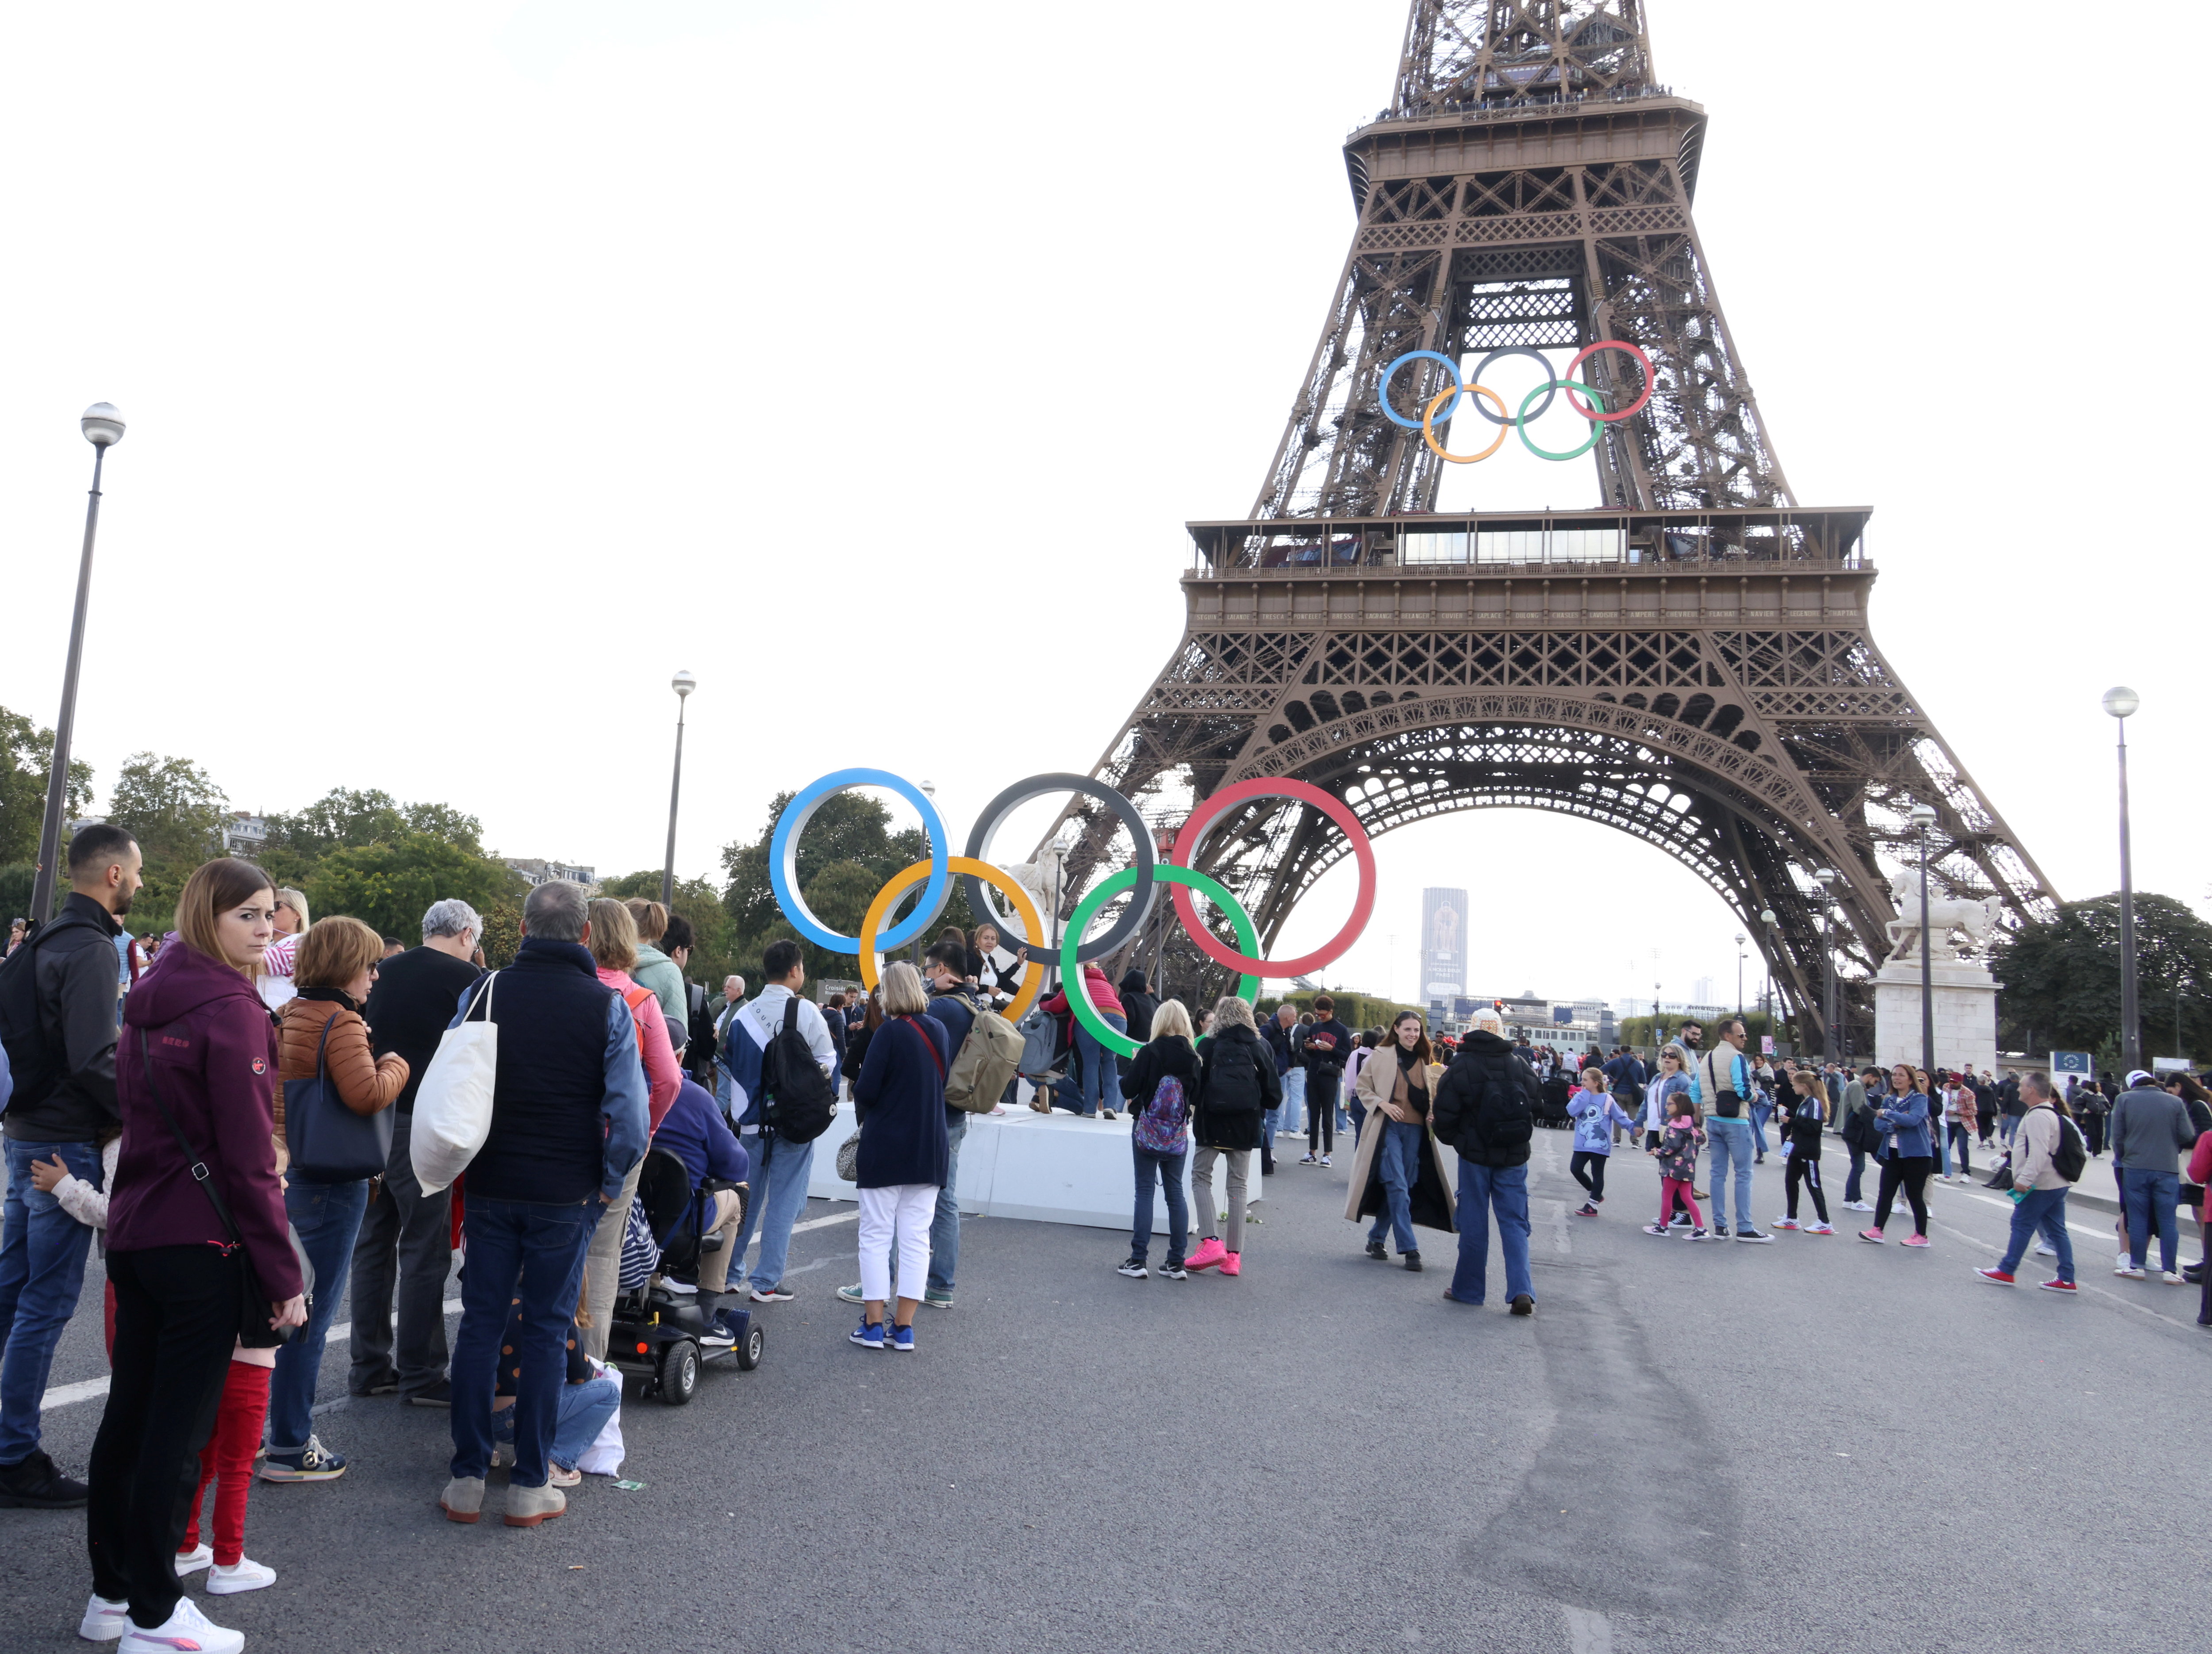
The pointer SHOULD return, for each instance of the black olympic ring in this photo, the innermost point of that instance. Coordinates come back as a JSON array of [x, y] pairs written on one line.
[[1551, 381], [1133, 917]]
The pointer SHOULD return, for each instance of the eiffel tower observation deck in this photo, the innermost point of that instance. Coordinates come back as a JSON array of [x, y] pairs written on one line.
[[1690, 662]]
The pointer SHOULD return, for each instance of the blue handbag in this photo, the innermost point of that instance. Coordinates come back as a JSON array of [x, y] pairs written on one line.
[[329, 1142]]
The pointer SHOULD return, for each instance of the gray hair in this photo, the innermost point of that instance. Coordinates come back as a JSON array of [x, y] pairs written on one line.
[[2039, 1082], [739, 980], [451, 917], [903, 994], [556, 910], [1229, 1011]]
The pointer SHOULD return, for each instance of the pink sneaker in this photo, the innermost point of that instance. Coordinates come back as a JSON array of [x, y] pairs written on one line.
[[1232, 1263], [1916, 1240], [1210, 1252], [1873, 1235]]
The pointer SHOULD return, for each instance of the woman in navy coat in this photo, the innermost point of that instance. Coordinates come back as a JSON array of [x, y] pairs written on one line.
[[904, 1155]]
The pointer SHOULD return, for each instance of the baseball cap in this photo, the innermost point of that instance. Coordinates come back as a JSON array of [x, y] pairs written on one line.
[[2140, 1076]]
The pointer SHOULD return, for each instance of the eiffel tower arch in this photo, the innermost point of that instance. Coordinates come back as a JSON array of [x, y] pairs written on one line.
[[1689, 662]]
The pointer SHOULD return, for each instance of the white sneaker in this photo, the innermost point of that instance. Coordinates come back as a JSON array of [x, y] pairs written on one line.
[[104, 1621], [186, 1627], [1856, 1205], [2172, 1278], [2046, 1250], [2130, 1271], [193, 1560], [245, 1574]]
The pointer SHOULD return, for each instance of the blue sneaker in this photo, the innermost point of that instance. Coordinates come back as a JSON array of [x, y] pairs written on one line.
[[903, 1339], [869, 1335], [315, 1463]]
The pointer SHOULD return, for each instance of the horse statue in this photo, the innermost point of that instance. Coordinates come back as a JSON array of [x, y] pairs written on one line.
[[1978, 919]]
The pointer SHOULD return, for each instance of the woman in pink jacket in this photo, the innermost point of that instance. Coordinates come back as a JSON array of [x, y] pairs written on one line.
[[1096, 1085]]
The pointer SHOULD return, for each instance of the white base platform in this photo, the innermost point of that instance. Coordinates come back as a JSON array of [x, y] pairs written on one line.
[[1964, 999], [1052, 1168]]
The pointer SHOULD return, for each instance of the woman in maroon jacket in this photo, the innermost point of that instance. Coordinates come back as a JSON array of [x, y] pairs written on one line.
[[196, 1035]]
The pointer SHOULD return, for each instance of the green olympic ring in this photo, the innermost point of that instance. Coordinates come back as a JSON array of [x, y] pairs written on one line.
[[1071, 974], [1597, 400]]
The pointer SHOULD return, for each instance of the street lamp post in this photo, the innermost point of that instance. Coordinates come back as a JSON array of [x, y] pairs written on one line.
[[1766, 953], [1825, 879], [1739, 973], [684, 683], [2122, 703], [1923, 818], [103, 427]]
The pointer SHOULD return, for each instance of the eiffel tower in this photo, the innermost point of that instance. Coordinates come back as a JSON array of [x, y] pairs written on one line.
[[1690, 662]]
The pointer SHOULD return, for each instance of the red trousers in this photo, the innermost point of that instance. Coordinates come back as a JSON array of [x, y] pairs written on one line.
[[228, 1460], [1679, 1191]]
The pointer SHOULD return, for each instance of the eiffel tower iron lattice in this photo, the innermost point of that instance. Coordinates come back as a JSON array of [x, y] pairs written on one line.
[[1690, 662]]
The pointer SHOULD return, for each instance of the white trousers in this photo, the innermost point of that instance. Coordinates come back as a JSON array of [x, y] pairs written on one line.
[[906, 1210]]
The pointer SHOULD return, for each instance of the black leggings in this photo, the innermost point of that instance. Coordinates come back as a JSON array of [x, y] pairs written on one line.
[[176, 1324], [1805, 1168], [1589, 1171], [1910, 1171]]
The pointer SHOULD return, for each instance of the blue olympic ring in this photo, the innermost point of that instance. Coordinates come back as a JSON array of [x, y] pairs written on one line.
[[783, 848], [1382, 394]]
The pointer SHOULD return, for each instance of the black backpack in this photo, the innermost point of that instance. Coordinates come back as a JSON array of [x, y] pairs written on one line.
[[2071, 1157], [798, 1103], [35, 1067]]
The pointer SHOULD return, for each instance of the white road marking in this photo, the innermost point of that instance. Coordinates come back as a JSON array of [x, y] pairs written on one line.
[[69, 1395], [2079, 1285], [1562, 1236]]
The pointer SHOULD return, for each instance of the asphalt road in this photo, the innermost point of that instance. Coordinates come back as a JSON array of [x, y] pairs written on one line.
[[1814, 1445]]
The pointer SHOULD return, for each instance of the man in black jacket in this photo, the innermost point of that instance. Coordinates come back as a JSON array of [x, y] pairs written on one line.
[[1138, 1002], [406, 1244], [1324, 1053], [63, 1105], [1486, 1110]]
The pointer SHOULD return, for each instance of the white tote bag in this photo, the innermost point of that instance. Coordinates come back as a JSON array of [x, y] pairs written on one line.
[[453, 1105]]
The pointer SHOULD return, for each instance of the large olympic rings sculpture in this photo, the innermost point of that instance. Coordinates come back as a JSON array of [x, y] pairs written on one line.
[[979, 877], [1596, 413]]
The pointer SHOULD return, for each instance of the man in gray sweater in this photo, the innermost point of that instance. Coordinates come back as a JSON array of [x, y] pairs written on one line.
[[2150, 1127]]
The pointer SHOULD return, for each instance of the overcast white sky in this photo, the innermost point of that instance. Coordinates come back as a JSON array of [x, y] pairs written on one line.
[[486, 363]]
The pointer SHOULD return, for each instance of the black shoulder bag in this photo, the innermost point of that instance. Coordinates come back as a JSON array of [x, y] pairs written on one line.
[[254, 1331]]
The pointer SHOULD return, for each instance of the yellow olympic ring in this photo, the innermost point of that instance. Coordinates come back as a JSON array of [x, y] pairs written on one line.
[[1428, 429], [907, 878]]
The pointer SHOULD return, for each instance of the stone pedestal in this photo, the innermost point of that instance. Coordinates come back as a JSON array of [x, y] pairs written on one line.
[[1966, 997]]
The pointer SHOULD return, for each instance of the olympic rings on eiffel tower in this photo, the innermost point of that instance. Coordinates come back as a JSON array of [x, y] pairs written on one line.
[[1446, 402], [1144, 877]]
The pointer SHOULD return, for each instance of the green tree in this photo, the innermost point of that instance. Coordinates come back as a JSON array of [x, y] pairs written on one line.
[[2059, 984], [27, 756], [502, 932], [389, 883], [175, 810]]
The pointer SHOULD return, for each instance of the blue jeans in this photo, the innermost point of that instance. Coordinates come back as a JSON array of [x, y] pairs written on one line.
[[944, 1227], [1167, 1171], [1759, 1111], [42, 1255], [1482, 1189], [2007, 1125], [1398, 1158], [722, 1083], [525, 1262], [1294, 1097], [2043, 1209], [2151, 1195], [582, 1412], [1731, 1140], [1098, 1078], [779, 1196], [328, 1217], [1858, 1172]]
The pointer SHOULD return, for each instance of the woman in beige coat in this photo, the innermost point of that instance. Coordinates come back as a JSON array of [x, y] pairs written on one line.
[[1396, 1179]]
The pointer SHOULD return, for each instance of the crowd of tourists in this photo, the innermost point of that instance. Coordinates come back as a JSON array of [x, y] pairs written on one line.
[[229, 1112]]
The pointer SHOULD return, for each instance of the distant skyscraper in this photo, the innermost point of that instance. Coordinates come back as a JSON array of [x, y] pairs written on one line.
[[1443, 944], [1701, 991]]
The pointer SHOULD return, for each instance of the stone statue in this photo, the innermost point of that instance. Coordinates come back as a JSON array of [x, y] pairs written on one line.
[[1978, 919]]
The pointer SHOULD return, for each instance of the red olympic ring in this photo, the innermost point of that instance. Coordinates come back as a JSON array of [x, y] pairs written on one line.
[[1591, 351], [1274, 786]]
